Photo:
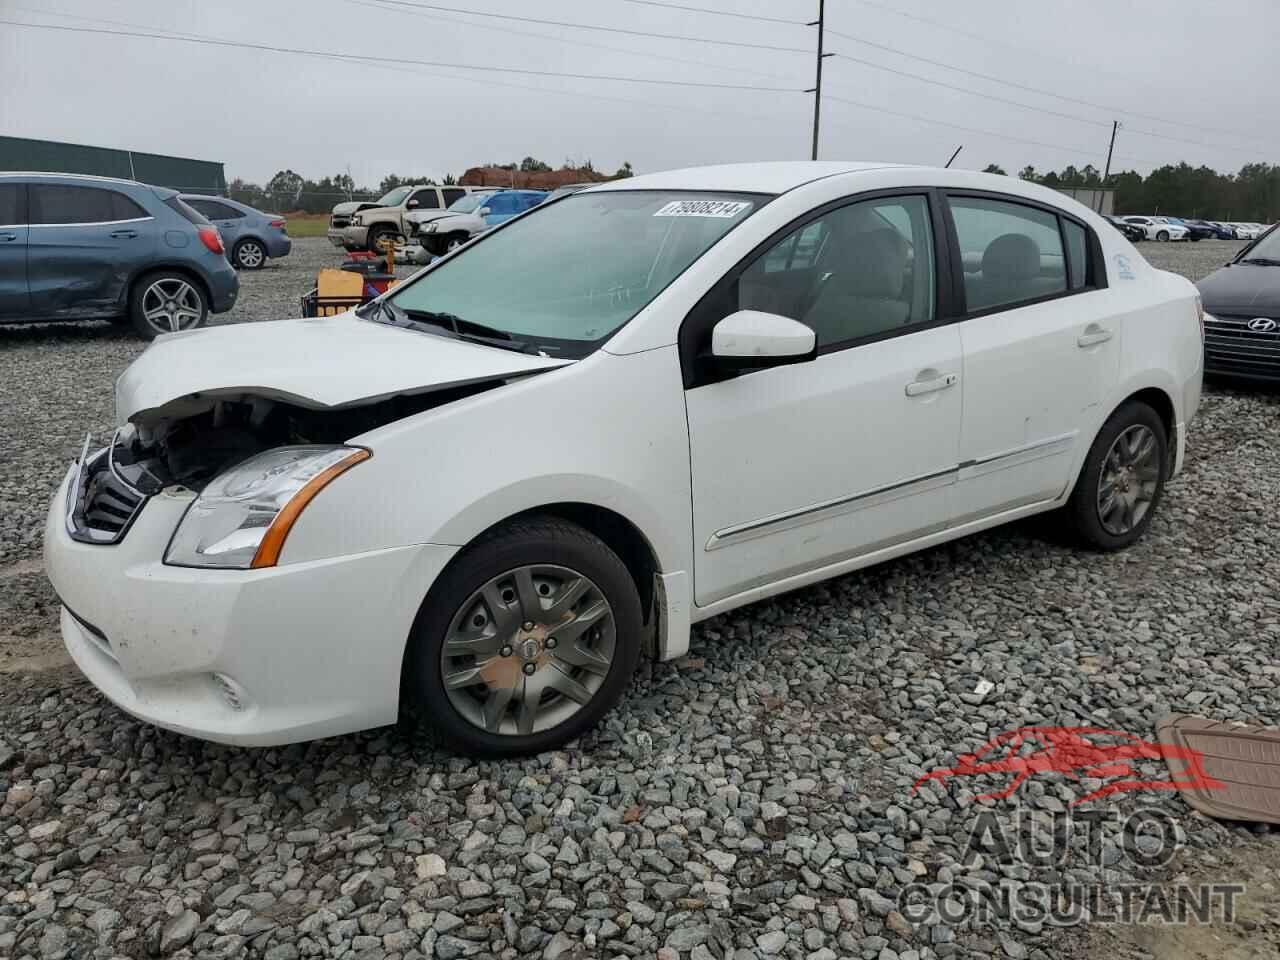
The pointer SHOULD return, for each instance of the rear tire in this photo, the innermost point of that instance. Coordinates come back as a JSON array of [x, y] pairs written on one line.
[[1122, 480], [249, 255], [166, 301], [490, 624]]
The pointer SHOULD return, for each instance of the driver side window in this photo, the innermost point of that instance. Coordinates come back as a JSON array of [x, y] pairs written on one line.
[[862, 270]]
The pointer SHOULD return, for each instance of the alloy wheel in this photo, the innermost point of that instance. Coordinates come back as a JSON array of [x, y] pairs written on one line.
[[172, 304], [528, 650], [1128, 481], [250, 254]]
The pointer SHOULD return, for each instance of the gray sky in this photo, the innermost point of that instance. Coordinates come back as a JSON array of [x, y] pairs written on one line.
[[1209, 65]]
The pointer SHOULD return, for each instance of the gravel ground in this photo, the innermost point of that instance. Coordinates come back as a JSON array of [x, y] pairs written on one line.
[[751, 800]]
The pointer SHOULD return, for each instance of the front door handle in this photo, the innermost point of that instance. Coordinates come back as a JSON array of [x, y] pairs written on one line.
[[6, 237], [917, 387], [123, 234], [1093, 335]]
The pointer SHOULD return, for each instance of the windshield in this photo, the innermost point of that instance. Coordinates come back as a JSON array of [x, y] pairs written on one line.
[[566, 276], [393, 198], [1268, 248], [470, 202]]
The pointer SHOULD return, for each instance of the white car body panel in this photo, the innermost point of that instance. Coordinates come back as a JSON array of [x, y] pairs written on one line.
[[316, 362], [741, 489]]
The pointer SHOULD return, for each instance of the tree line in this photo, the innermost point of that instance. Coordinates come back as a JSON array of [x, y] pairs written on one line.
[[1252, 195], [288, 192]]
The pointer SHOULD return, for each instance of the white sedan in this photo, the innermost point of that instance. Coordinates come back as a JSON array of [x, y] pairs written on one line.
[[1157, 228], [486, 496]]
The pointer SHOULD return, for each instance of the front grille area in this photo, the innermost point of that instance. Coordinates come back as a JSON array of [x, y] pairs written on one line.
[[338, 222], [103, 505], [1230, 346]]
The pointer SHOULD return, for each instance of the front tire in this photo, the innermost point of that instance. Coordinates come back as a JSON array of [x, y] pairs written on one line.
[[249, 255], [1163, 236], [378, 236], [166, 302], [525, 641], [1122, 480]]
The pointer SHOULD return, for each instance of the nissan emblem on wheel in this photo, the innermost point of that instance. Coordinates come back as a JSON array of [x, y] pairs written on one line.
[[486, 496]]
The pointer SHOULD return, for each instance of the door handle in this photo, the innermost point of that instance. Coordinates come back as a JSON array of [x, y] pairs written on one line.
[[917, 387], [123, 234], [1093, 334], [6, 237]]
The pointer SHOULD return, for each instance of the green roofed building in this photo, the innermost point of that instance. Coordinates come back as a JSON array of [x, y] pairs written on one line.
[[177, 173]]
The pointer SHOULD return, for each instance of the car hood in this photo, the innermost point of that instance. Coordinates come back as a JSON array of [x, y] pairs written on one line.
[[1243, 286], [351, 206], [319, 363], [462, 221], [422, 216]]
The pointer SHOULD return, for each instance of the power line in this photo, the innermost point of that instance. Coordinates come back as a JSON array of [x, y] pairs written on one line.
[[1045, 110], [1079, 151], [430, 15], [588, 26], [367, 58], [1030, 89], [718, 13]]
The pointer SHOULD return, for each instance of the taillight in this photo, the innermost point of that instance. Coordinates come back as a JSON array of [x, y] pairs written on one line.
[[1200, 317], [209, 237], [277, 223]]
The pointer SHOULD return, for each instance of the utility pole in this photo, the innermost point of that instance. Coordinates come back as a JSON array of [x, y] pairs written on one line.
[[1115, 125], [820, 23]]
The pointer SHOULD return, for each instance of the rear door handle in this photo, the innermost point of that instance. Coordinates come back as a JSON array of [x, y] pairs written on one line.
[[1093, 334], [916, 387], [123, 234]]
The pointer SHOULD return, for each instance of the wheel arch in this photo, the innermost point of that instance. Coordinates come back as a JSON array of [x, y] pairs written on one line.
[[1157, 398], [166, 265]]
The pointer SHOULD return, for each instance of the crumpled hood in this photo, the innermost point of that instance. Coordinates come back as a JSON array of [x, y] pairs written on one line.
[[317, 363], [1242, 287], [422, 216], [461, 221], [352, 206]]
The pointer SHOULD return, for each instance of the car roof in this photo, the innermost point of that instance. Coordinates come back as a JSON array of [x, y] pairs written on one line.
[[769, 177], [54, 174]]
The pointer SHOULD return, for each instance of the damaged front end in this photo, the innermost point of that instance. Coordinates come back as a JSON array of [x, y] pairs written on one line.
[[187, 450]]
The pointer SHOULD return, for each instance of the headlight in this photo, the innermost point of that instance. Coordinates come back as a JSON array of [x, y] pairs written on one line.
[[241, 519], [429, 227], [356, 221]]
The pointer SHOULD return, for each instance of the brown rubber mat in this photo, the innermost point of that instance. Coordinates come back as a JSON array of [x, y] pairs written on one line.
[[1239, 775]]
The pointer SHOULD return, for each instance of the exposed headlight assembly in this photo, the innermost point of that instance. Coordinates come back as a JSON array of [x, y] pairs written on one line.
[[241, 519], [356, 220], [429, 226]]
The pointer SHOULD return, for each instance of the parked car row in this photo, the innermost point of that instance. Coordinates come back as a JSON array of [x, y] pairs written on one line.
[[1176, 228], [77, 247], [363, 224]]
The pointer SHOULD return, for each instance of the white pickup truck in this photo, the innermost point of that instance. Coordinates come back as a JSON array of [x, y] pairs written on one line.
[[361, 224]]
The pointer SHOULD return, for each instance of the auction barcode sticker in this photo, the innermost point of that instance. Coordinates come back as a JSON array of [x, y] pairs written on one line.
[[703, 208]]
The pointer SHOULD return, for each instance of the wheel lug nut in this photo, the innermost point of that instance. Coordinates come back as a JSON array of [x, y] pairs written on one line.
[[551, 643], [529, 668], [505, 651]]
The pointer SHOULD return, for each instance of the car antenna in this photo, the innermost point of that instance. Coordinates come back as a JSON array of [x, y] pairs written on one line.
[[953, 156]]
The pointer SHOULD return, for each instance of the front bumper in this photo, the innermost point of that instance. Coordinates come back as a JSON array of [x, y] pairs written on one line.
[[338, 237], [353, 236], [246, 657]]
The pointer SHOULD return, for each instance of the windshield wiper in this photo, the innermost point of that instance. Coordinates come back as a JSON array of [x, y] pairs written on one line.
[[470, 330], [1262, 261]]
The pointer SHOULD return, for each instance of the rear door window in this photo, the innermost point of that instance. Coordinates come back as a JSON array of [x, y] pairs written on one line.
[[452, 195], [13, 211], [1011, 253], [71, 204]]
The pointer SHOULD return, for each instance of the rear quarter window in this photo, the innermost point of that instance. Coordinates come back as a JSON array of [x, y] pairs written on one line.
[[185, 210]]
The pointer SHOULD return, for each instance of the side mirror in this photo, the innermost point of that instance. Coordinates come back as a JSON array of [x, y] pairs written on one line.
[[411, 204], [483, 212], [752, 339]]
